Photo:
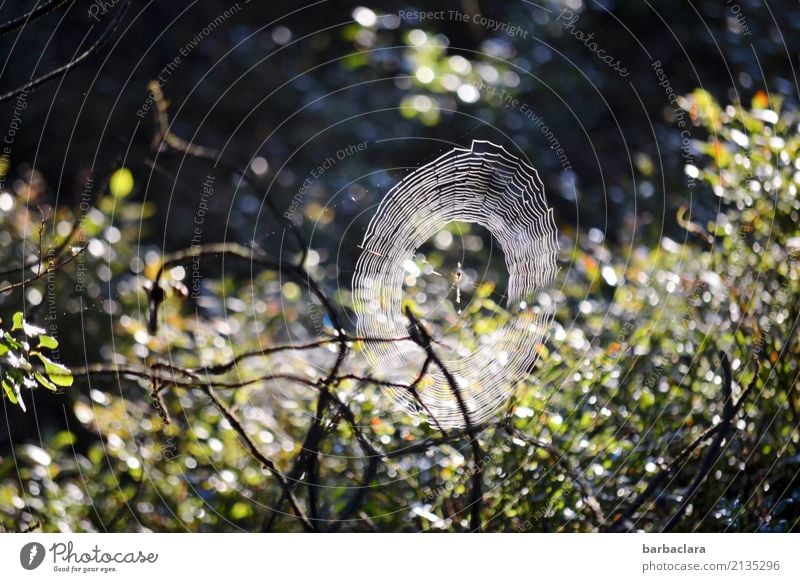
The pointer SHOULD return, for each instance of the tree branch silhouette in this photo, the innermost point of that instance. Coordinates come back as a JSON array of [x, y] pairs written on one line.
[[421, 336], [74, 63]]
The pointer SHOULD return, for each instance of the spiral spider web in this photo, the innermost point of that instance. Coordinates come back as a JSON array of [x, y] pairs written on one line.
[[487, 186]]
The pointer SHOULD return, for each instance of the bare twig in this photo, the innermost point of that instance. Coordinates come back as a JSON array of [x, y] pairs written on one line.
[[165, 134], [107, 33], [229, 365], [423, 338], [28, 17], [53, 266], [251, 446], [693, 227], [372, 456], [167, 137], [574, 472]]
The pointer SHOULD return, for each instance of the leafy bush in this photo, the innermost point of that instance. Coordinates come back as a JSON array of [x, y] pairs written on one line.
[[611, 430]]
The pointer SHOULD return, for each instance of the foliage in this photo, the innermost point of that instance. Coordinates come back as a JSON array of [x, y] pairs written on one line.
[[18, 370], [614, 398], [613, 426]]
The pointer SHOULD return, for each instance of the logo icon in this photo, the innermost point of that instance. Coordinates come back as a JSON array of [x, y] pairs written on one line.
[[31, 555]]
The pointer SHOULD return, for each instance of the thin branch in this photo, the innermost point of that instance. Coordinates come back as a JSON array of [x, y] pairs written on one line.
[[373, 459], [413, 389], [165, 134], [170, 379], [28, 17], [421, 336], [53, 266], [51, 251], [574, 472], [229, 365], [177, 144], [308, 457], [712, 454], [251, 446], [298, 273], [309, 454], [434, 442], [74, 63]]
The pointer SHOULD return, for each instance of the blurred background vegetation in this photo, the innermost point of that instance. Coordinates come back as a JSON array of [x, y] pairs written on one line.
[[677, 242]]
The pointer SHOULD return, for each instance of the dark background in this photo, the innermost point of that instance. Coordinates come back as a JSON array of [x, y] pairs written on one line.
[[87, 122]]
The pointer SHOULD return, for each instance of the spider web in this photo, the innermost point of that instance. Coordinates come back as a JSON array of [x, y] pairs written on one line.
[[490, 187]]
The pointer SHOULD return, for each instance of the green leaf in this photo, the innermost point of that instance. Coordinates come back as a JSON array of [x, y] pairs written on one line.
[[241, 510], [58, 373], [121, 183], [20, 323], [17, 321], [45, 382], [11, 342], [47, 341], [11, 387], [63, 439]]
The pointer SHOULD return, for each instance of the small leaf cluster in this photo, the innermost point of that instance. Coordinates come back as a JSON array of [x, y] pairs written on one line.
[[23, 365]]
